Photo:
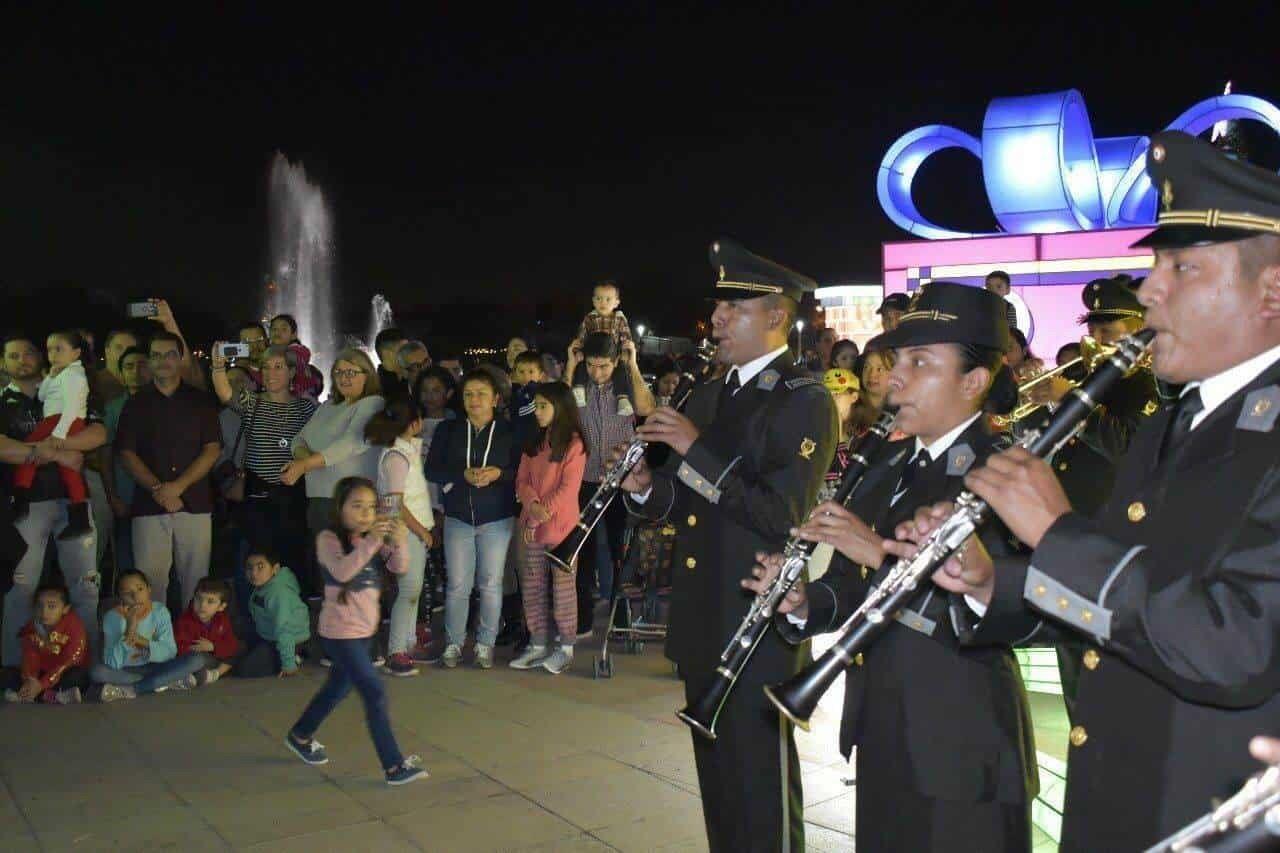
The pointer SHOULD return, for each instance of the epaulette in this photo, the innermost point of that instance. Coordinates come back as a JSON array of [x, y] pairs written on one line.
[[801, 382]]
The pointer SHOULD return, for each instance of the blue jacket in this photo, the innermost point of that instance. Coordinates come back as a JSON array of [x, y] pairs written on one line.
[[156, 627], [447, 459]]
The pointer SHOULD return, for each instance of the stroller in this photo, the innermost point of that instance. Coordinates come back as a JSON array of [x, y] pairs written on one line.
[[637, 606]]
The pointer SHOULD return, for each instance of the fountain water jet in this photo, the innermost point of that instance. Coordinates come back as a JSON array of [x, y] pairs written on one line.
[[380, 317], [302, 258]]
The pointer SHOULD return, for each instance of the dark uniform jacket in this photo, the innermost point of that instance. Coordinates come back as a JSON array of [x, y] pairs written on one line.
[[1086, 464], [752, 475], [1177, 586], [927, 714]]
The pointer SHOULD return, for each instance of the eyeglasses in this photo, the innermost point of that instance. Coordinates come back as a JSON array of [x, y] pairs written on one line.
[[171, 355], [348, 374]]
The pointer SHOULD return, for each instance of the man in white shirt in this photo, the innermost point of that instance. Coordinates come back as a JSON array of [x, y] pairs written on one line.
[[1175, 582]]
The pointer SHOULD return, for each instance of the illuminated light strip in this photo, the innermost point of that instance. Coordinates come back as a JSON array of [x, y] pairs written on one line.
[[1126, 262], [1221, 219], [743, 285]]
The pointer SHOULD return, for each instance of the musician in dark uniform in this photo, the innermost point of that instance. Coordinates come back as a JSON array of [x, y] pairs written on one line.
[[1086, 465], [748, 457], [945, 757], [1175, 582]]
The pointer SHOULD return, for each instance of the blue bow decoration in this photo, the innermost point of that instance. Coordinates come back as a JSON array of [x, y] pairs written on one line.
[[1042, 168]]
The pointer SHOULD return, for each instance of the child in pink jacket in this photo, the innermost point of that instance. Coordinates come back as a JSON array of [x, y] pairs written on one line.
[[547, 487], [352, 554]]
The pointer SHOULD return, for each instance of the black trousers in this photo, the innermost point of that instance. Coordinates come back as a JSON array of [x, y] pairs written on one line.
[[749, 776], [259, 659], [276, 517], [615, 527]]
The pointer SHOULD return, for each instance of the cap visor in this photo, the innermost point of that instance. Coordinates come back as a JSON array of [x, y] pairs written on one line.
[[1183, 236]]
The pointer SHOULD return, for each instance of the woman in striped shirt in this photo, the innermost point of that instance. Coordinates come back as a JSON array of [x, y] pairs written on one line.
[[274, 514]]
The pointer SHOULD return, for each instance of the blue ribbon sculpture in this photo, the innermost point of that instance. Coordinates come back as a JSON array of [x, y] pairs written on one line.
[[1043, 170]]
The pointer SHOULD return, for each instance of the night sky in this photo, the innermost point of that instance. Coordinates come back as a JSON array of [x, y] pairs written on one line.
[[493, 157]]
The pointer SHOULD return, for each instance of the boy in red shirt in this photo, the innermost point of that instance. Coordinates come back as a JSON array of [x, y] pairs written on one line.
[[55, 653], [204, 628]]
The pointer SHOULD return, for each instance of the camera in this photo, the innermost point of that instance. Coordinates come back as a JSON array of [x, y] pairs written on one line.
[[143, 309], [233, 350]]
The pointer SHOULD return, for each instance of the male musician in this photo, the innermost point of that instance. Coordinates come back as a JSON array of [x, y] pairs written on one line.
[[1176, 581], [748, 457], [945, 759], [1086, 465]]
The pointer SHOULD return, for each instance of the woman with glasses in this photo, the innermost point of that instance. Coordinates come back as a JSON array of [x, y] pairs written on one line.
[[331, 446]]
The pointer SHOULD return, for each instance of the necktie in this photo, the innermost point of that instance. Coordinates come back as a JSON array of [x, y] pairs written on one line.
[[917, 464], [731, 385], [1189, 405]]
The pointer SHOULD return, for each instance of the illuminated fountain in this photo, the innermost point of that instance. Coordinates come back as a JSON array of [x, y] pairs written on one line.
[[380, 317], [302, 258]]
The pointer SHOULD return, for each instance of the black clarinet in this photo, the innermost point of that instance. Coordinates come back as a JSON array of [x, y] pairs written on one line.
[[566, 553], [798, 697], [701, 715]]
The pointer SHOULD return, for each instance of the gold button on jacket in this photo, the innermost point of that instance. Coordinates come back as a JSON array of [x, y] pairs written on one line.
[[690, 563], [1136, 512], [1078, 736], [692, 521], [1091, 659]]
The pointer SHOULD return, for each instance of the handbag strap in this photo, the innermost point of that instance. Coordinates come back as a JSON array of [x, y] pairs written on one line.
[[235, 448]]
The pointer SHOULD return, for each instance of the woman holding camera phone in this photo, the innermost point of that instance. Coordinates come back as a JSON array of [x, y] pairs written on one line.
[[274, 512]]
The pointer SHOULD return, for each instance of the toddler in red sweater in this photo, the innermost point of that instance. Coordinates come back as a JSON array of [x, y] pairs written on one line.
[[55, 653], [204, 628]]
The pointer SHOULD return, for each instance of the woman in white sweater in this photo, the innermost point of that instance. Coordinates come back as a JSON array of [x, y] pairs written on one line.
[[332, 445]]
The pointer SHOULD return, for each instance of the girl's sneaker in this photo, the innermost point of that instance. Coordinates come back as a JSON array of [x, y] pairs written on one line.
[[530, 658], [400, 665], [410, 770], [559, 660], [312, 752], [452, 655], [69, 696], [187, 682], [114, 692], [12, 696], [207, 676], [484, 656]]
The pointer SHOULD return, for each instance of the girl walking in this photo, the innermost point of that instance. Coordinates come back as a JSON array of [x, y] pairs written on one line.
[[352, 553]]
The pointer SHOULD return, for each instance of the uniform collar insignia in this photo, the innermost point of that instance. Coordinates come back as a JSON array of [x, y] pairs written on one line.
[[959, 460], [1260, 410], [768, 378], [1150, 408], [807, 446]]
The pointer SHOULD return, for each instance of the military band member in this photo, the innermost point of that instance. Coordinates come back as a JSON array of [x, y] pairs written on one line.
[[1086, 465], [945, 758], [1175, 583], [749, 456]]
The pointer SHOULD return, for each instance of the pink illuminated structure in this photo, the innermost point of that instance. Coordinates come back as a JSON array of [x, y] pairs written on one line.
[[1047, 271]]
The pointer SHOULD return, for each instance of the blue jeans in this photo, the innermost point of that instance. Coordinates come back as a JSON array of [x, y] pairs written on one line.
[[352, 667], [404, 612], [476, 557], [146, 677]]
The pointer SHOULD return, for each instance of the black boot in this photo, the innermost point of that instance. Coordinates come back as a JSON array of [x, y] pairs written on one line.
[[21, 505], [77, 521]]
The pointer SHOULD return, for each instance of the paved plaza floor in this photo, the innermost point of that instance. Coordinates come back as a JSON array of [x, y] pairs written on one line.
[[518, 761]]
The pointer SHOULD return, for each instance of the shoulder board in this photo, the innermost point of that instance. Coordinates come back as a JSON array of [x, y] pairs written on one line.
[[1260, 410], [801, 382]]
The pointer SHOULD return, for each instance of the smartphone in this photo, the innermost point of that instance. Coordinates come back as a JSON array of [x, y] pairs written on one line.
[[143, 309], [389, 507], [233, 350]]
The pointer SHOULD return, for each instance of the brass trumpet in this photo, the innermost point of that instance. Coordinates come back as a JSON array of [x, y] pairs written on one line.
[[1091, 355]]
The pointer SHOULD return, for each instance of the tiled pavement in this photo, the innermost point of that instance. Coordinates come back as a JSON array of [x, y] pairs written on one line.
[[518, 761]]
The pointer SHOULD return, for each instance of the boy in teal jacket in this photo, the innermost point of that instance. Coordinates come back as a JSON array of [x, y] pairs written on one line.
[[280, 617]]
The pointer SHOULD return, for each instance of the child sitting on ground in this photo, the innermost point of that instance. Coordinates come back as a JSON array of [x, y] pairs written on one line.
[[54, 652], [281, 620], [204, 629], [139, 654], [605, 317]]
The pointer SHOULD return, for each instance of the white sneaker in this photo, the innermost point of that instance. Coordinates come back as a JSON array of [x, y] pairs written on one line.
[[559, 660], [452, 655], [530, 658], [70, 696], [187, 682], [112, 692], [484, 656], [12, 696]]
